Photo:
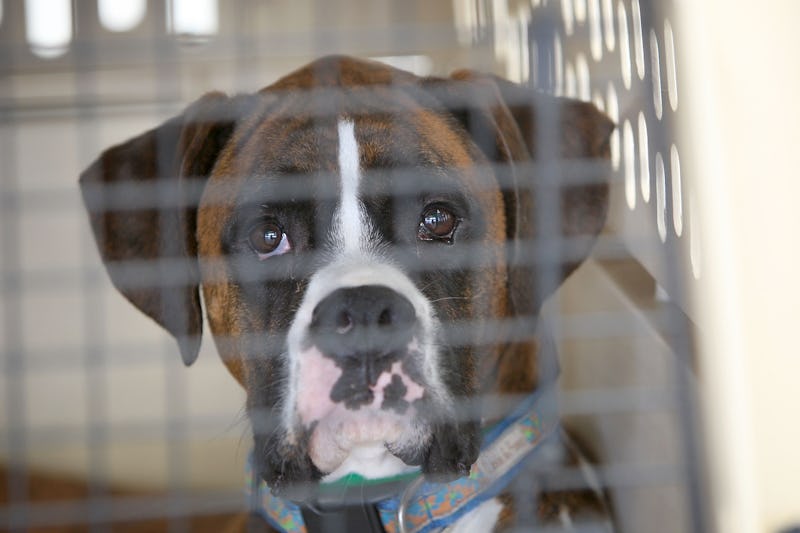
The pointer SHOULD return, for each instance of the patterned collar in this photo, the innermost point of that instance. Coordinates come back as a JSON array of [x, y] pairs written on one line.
[[428, 506]]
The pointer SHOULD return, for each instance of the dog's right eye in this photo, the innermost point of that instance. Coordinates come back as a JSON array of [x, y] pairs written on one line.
[[437, 224], [268, 239]]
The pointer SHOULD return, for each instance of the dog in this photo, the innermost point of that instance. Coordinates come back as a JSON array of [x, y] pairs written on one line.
[[373, 248]]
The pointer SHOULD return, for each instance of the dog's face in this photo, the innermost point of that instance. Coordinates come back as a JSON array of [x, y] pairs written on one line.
[[355, 231]]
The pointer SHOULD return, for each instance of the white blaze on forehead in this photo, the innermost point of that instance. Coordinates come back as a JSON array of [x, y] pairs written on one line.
[[350, 221]]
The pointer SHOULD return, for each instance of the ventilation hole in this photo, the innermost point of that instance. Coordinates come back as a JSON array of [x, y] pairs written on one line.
[[613, 144], [48, 26], [583, 78], [677, 192], [193, 17], [629, 148], [624, 45], [644, 158], [519, 51], [579, 10], [612, 108], [570, 81], [608, 24], [655, 67], [525, 51], [612, 103], [569, 16], [597, 100], [121, 15], [694, 242], [638, 38], [661, 197], [595, 30], [558, 65], [671, 73], [1, 11]]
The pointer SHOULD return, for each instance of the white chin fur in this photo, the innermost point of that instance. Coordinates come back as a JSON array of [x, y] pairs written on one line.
[[371, 461]]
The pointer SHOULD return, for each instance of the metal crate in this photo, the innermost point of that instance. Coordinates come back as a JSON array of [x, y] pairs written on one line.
[[94, 399]]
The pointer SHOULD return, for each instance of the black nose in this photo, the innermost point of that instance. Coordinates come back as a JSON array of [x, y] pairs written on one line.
[[368, 326]]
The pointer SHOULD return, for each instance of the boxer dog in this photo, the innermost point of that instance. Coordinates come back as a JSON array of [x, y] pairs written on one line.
[[372, 248]]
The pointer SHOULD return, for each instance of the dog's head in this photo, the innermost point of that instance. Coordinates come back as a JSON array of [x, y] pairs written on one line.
[[361, 236]]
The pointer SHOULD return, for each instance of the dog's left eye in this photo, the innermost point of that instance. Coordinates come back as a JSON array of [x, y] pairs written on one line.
[[267, 239], [437, 224]]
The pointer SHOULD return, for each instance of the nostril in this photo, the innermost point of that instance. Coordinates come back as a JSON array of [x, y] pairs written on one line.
[[385, 317], [344, 322]]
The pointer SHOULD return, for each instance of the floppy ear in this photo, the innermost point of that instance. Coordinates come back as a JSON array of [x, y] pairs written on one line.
[[142, 200], [550, 155]]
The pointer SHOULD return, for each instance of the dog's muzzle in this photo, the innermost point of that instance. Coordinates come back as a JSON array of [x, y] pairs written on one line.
[[359, 382], [364, 390]]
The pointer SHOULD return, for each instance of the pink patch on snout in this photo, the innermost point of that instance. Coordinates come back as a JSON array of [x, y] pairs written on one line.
[[414, 390], [339, 430], [317, 377], [319, 373]]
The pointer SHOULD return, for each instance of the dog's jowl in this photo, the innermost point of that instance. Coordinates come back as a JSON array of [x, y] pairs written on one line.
[[373, 249]]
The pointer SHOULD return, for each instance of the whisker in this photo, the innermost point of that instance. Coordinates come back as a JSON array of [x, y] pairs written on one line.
[[450, 298]]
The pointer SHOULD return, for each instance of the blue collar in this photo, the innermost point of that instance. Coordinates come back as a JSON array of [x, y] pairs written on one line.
[[427, 506]]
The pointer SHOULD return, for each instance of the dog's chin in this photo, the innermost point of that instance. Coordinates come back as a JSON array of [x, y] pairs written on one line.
[[372, 444], [368, 442], [378, 444], [442, 452]]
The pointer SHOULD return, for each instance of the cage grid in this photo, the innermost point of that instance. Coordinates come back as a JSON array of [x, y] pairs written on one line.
[[96, 399]]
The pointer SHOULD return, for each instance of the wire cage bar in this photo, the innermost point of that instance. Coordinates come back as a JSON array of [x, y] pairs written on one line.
[[104, 429]]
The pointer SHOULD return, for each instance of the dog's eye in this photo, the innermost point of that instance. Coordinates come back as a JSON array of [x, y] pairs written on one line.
[[437, 223], [268, 239]]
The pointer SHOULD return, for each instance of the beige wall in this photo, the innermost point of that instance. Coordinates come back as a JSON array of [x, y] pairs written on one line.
[[744, 81]]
